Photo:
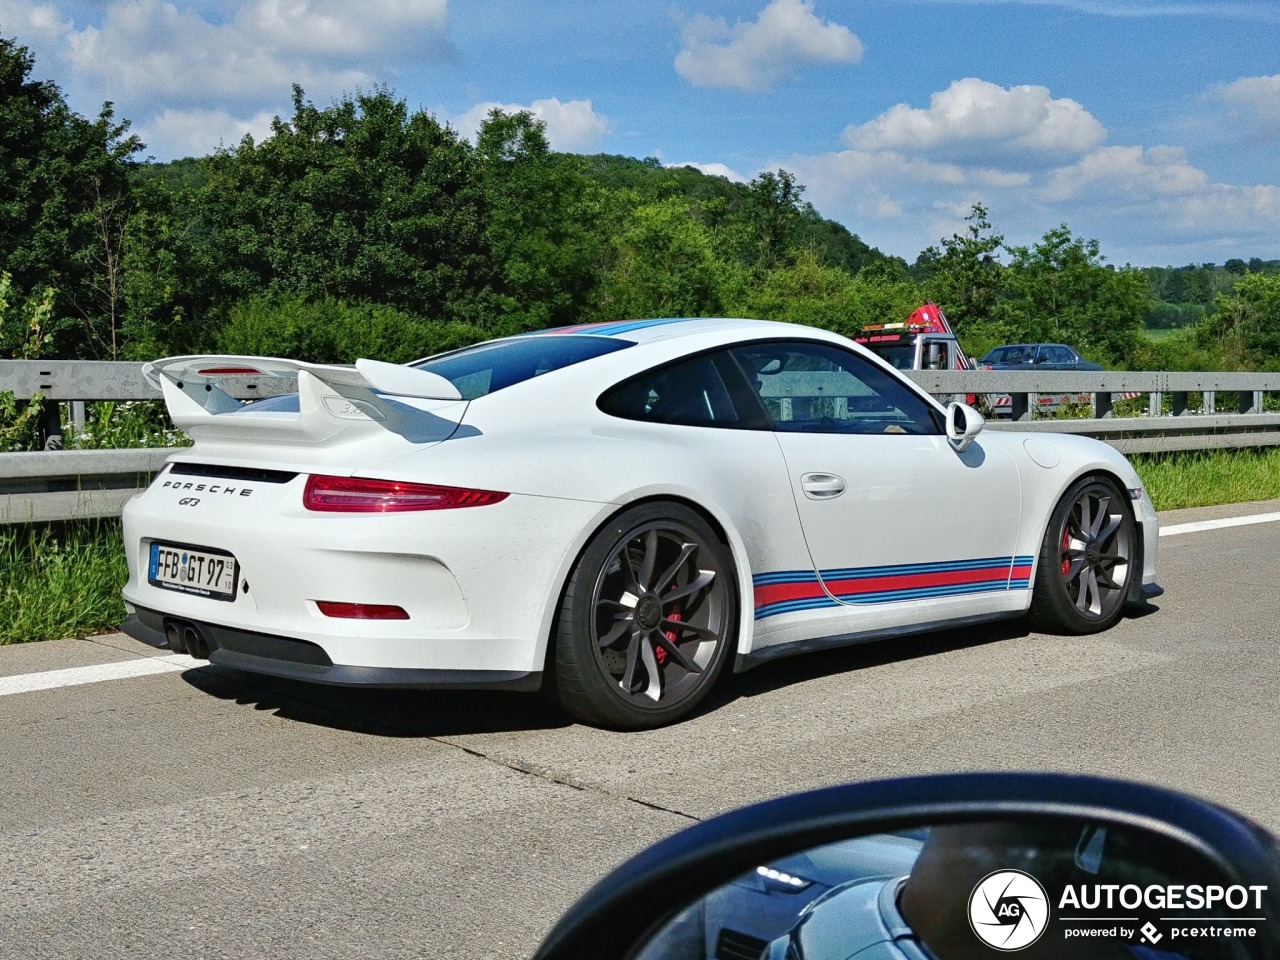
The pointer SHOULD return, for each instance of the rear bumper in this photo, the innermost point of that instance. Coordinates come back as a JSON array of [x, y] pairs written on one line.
[[295, 659]]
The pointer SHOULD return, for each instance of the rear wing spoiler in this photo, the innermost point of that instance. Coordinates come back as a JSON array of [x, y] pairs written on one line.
[[199, 390]]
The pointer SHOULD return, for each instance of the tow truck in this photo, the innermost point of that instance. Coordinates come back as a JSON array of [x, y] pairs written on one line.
[[925, 341]]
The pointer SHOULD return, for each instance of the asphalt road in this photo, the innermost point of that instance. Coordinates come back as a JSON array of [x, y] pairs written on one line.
[[204, 813]]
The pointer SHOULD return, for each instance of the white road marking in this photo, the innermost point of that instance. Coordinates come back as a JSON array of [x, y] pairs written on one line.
[[1200, 525], [74, 676]]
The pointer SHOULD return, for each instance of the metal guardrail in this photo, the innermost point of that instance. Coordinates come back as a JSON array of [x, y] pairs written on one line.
[[89, 483]]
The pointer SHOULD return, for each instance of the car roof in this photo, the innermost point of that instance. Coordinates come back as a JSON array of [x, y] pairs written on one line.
[[665, 328]]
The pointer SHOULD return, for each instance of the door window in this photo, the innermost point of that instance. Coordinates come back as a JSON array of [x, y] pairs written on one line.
[[819, 388]]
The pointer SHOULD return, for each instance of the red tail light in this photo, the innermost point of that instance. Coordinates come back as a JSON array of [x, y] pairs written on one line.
[[356, 495], [361, 611]]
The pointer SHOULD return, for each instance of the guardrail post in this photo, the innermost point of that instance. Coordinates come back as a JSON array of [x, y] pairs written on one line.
[[1019, 406], [1155, 405], [50, 424], [1179, 402], [1102, 405], [1210, 401], [1250, 401]]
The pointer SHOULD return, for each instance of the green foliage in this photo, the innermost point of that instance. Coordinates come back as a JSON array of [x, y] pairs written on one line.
[[966, 277], [331, 331], [1202, 478], [358, 201], [540, 225], [114, 425], [64, 198], [664, 263], [1245, 324], [60, 580], [809, 292], [1059, 290], [24, 338]]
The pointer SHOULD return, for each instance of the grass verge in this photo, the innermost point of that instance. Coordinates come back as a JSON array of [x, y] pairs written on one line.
[[60, 579], [1207, 478]]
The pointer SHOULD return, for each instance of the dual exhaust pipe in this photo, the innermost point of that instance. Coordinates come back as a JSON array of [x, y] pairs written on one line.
[[185, 637]]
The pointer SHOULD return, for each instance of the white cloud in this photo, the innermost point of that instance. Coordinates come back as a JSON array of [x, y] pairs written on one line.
[[1250, 11], [756, 56], [197, 132], [1255, 98], [33, 24], [571, 126], [982, 121], [164, 55], [910, 176], [1128, 173], [712, 170]]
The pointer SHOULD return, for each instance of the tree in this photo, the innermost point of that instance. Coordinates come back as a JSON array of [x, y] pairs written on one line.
[[361, 200], [966, 277], [775, 212], [64, 197], [1245, 324], [541, 224], [663, 263], [1061, 290]]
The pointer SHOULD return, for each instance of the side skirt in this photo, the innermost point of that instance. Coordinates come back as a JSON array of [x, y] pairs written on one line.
[[745, 661]]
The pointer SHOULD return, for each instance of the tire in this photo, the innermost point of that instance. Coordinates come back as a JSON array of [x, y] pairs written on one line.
[[647, 619], [1086, 565]]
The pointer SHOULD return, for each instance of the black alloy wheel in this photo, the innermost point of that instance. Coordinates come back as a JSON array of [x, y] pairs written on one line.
[[1086, 568], [648, 618]]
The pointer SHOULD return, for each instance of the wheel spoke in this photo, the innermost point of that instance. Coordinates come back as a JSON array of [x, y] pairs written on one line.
[[693, 587], [645, 577], [677, 654], [683, 625], [686, 551], [1077, 565], [650, 661], [1110, 529], [1100, 514], [633, 652], [615, 634]]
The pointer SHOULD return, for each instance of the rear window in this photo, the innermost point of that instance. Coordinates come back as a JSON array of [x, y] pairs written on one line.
[[489, 367]]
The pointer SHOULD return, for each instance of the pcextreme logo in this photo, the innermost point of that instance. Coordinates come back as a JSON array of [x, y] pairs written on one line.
[[1008, 910]]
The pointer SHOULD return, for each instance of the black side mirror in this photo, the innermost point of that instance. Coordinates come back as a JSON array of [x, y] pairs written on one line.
[[953, 867]]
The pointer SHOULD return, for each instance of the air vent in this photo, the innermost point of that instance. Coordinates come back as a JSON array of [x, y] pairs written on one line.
[[733, 945], [223, 472]]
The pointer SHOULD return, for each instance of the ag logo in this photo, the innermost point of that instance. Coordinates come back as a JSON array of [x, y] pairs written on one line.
[[1008, 910]]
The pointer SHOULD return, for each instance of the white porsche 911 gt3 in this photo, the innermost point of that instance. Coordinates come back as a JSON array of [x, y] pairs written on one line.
[[620, 509]]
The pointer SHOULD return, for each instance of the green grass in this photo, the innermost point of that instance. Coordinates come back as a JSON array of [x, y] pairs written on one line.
[[1205, 478], [60, 580], [64, 580]]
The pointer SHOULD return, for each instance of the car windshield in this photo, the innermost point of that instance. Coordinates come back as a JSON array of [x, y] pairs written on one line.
[[1017, 354], [488, 367], [900, 356]]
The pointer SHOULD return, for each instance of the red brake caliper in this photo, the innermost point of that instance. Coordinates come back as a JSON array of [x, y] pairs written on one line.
[[1066, 547], [660, 652]]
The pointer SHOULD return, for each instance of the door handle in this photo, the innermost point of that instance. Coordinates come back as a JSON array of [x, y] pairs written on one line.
[[822, 486]]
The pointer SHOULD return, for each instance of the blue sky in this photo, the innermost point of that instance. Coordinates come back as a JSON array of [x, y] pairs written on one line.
[[1150, 125]]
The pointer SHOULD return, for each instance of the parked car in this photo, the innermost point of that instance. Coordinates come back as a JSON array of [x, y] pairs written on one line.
[[629, 507], [1036, 356]]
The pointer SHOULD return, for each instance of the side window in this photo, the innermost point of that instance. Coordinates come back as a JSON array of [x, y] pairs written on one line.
[[690, 392], [1060, 355], [819, 388]]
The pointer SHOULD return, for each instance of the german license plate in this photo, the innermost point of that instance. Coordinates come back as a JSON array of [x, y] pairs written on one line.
[[202, 571]]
